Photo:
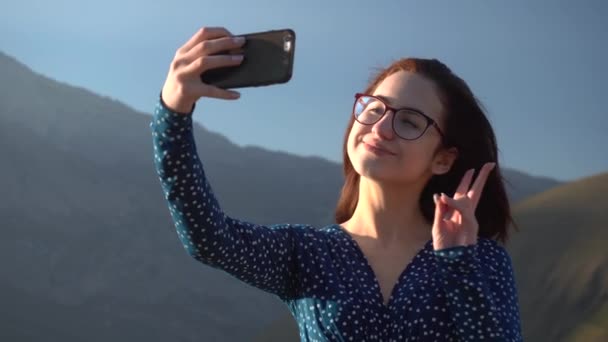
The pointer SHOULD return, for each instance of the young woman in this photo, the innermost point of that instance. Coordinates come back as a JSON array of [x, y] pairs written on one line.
[[414, 254]]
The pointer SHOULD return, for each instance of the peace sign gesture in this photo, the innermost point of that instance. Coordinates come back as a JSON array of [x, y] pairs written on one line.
[[455, 222]]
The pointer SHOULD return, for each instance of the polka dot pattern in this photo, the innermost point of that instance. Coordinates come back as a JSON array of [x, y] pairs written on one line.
[[463, 293]]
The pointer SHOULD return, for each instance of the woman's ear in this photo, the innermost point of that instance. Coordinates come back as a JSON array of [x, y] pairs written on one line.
[[443, 161]]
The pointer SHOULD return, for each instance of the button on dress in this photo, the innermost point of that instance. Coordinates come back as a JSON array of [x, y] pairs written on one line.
[[463, 293]]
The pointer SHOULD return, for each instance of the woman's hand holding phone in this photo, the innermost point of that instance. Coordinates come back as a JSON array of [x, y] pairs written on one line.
[[183, 86]]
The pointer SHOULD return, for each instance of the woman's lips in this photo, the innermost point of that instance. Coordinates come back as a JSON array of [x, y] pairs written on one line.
[[376, 150]]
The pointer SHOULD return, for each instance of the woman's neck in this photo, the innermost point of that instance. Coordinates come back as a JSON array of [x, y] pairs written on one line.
[[389, 214]]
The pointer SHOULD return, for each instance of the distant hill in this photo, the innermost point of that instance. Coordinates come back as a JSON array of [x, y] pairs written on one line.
[[561, 262], [87, 236], [85, 224]]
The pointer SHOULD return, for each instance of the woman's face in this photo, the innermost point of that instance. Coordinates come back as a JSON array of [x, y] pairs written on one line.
[[407, 161]]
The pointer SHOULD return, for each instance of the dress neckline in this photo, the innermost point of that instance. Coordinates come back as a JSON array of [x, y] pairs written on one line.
[[370, 271]]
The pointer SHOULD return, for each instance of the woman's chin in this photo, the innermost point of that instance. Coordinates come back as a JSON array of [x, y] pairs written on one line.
[[383, 172], [374, 170]]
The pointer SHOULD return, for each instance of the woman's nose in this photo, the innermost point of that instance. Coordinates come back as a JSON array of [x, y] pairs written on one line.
[[384, 126]]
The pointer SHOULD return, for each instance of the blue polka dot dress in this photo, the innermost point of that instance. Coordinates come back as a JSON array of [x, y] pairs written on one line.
[[464, 293]]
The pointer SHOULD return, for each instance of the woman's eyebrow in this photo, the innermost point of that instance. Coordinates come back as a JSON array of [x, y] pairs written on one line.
[[387, 100]]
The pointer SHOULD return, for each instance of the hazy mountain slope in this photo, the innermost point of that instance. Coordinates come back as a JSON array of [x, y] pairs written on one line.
[[561, 260]]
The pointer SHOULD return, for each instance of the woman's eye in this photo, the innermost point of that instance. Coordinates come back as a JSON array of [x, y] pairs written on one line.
[[409, 123], [374, 110]]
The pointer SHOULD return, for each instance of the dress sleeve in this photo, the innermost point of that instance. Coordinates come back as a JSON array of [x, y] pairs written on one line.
[[262, 256], [479, 284]]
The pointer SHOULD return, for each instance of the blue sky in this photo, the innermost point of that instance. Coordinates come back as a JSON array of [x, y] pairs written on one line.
[[539, 68]]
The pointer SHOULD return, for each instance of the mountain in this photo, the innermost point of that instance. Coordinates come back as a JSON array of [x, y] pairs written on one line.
[[89, 250], [87, 229], [561, 262]]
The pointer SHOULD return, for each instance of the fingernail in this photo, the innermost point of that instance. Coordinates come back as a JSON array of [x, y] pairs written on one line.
[[238, 40], [237, 58], [236, 95], [435, 198]]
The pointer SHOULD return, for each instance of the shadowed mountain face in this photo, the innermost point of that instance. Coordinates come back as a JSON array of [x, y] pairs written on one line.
[[89, 251], [561, 262]]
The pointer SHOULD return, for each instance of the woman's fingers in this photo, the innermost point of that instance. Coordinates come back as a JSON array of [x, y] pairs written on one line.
[[202, 57], [214, 46], [475, 192], [440, 210], [183, 86], [480, 182], [203, 34], [210, 62], [465, 183], [461, 206], [219, 93], [203, 63]]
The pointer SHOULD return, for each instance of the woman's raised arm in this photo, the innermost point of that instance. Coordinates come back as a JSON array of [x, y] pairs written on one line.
[[266, 257]]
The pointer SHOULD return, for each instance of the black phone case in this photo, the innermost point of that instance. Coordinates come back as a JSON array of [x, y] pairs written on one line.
[[268, 59]]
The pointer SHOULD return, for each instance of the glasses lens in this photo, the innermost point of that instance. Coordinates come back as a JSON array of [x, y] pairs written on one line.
[[409, 124], [368, 110]]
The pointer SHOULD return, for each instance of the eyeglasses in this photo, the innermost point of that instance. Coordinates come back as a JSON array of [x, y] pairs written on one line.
[[408, 123]]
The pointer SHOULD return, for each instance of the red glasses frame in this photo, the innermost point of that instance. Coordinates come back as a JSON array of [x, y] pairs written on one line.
[[429, 120]]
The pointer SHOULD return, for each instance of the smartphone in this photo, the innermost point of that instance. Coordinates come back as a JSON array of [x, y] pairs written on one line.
[[268, 59]]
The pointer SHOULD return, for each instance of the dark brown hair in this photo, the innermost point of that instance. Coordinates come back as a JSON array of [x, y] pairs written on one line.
[[466, 128]]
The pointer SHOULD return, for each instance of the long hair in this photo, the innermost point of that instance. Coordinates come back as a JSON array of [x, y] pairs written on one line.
[[466, 128]]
